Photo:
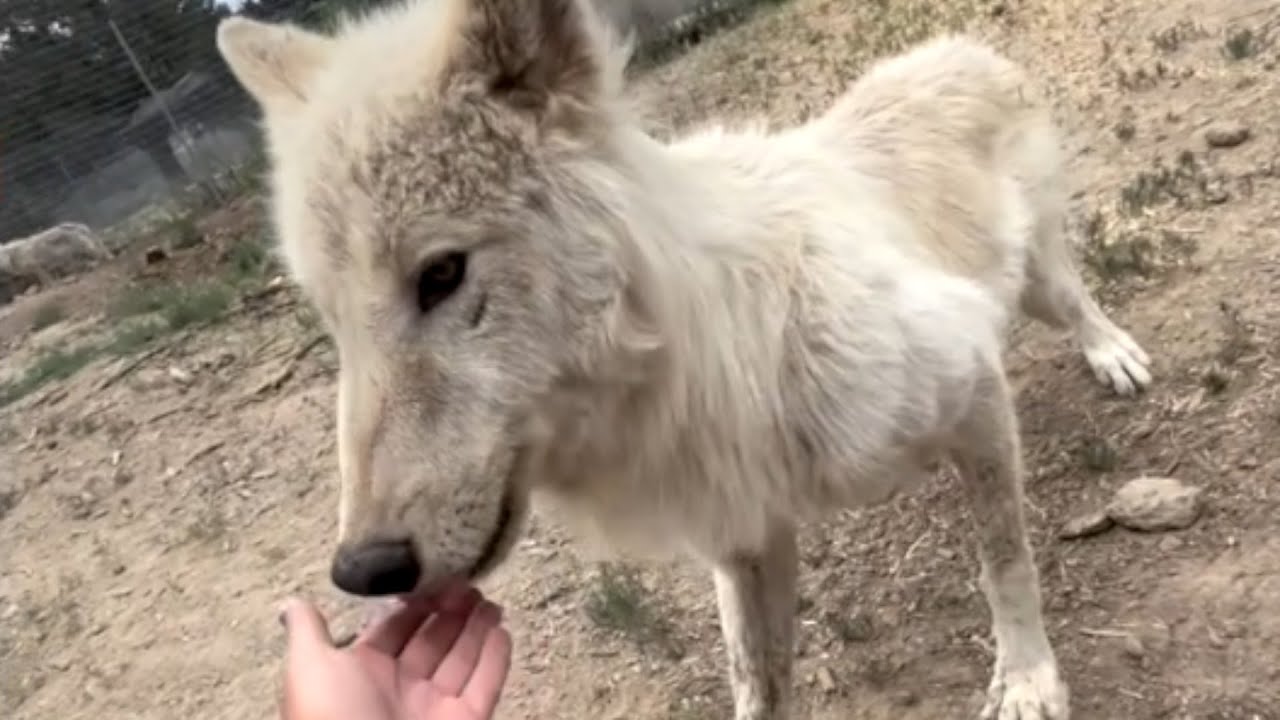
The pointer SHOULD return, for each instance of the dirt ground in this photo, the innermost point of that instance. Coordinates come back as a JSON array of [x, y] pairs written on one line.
[[153, 507]]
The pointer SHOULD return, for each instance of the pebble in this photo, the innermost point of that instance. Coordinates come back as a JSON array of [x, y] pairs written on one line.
[[1133, 647], [182, 377], [826, 680], [1226, 134], [1215, 193]]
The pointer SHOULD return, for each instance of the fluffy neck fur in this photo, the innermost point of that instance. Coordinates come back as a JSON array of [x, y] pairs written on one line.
[[696, 336]]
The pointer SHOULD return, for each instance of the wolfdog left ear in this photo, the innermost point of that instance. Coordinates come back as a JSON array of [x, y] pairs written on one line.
[[540, 56]]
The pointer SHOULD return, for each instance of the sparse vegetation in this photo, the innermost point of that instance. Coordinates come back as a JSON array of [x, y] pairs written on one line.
[[131, 336], [1237, 335], [183, 230], [709, 19], [142, 314], [1128, 254], [1172, 38], [249, 260], [177, 305], [208, 526], [619, 602], [1099, 455], [1242, 44], [1162, 183], [55, 364], [201, 304]]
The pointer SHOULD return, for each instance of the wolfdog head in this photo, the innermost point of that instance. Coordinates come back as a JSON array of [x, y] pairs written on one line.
[[435, 174]]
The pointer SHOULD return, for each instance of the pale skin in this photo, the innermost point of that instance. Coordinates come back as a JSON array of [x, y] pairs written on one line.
[[439, 659]]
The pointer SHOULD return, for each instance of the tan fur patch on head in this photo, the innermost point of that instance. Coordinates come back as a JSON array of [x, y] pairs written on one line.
[[430, 130], [430, 109], [449, 162]]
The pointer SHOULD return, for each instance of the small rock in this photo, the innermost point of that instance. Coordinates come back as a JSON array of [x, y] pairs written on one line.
[[1226, 134], [155, 255], [1215, 193], [826, 681], [1133, 647], [180, 376], [1086, 525], [1171, 543], [905, 698], [1156, 503]]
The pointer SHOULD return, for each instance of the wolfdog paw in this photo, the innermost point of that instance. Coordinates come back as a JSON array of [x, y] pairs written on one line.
[[1118, 361], [1037, 693]]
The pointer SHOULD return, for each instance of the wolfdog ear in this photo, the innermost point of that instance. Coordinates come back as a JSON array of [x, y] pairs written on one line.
[[274, 62], [540, 56]]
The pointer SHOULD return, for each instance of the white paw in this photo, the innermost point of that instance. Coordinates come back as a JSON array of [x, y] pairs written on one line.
[[1118, 361], [1037, 693]]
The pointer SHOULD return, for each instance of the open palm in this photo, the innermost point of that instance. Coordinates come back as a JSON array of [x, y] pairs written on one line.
[[443, 660]]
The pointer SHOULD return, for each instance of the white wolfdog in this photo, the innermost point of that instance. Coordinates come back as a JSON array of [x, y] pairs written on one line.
[[694, 346]]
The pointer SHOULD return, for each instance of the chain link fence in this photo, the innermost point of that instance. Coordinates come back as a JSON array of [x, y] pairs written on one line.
[[112, 110]]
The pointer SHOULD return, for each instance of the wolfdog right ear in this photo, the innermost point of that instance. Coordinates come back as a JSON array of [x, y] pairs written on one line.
[[541, 56], [274, 62]]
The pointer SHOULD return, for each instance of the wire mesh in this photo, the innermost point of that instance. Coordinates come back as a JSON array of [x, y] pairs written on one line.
[[113, 108]]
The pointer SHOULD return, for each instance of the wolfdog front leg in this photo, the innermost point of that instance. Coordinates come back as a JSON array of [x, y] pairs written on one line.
[[756, 593], [987, 452]]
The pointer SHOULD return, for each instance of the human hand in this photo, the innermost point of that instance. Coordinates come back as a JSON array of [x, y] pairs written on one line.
[[445, 659]]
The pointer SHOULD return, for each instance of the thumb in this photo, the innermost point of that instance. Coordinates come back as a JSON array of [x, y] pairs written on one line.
[[304, 626]]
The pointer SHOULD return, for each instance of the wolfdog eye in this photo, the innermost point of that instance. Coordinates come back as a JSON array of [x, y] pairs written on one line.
[[439, 279]]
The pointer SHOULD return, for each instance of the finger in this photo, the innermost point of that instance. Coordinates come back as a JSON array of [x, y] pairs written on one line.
[[456, 667], [305, 628], [429, 646], [457, 596], [389, 634], [484, 688]]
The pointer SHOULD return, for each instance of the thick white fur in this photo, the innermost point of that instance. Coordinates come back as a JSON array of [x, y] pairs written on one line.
[[714, 341]]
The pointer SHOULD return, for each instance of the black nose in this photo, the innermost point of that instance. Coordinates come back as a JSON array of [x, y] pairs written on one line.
[[376, 568]]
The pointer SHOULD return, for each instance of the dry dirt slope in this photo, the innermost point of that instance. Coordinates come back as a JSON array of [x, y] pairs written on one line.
[[150, 518]]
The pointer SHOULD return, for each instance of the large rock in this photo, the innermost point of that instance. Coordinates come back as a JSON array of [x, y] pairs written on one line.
[[62, 250], [1156, 503]]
